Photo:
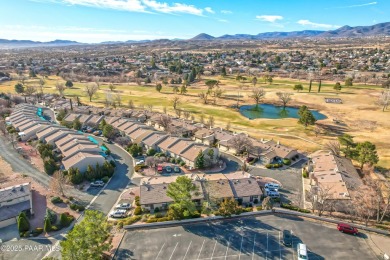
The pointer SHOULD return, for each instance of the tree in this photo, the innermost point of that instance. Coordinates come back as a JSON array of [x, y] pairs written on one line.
[[366, 154], [109, 131], [46, 225], [181, 192], [223, 71], [319, 86], [204, 96], [91, 90], [69, 84], [112, 87], [298, 87], [130, 104], [384, 99], [175, 89], [175, 102], [60, 87], [305, 116], [135, 150], [217, 93], [57, 183], [77, 124], [267, 203], [199, 161], [165, 122], [30, 90], [254, 81], [211, 83], [41, 84], [284, 97], [333, 147], [211, 122], [87, 240], [19, 88], [348, 82], [310, 84], [158, 87], [228, 207], [183, 89], [337, 86], [257, 95], [347, 143], [22, 221], [320, 196], [241, 143]]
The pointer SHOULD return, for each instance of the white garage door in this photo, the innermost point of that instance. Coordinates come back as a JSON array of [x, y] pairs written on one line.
[[7, 222]]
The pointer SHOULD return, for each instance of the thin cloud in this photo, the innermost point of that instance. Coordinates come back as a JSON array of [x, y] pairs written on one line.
[[352, 6], [269, 18], [226, 12], [143, 6], [316, 25], [223, 21], [209, 10]]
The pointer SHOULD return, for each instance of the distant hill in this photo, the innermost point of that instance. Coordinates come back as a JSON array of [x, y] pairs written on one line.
[[27, 43], [271, 35], [359, 31], [202, 37]]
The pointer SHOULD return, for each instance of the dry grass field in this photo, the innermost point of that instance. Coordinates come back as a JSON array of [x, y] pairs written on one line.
[[359, 115]]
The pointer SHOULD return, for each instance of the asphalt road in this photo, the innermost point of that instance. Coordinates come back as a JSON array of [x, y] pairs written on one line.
[[246, 238]]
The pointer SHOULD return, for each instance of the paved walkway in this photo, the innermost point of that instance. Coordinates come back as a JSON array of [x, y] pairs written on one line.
[[379, 244]]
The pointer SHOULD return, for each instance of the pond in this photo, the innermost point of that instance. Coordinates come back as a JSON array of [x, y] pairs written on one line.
[[274, 112]]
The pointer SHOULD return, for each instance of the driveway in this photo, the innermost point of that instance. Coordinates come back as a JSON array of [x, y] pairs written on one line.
[[290, 179], [8, 233]]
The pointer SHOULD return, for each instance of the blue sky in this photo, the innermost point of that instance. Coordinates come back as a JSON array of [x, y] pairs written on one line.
[[118, 20]]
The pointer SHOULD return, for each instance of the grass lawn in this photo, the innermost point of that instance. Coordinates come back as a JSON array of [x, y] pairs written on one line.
[[359, 114]]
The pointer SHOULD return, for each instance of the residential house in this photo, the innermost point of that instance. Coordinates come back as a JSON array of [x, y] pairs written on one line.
[[205, 136], [82, 160], [151, 141], [245, 188], [14, 200]]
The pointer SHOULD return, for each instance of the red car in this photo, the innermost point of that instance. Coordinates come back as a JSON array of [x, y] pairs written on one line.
[[159, 168], [345, 228]]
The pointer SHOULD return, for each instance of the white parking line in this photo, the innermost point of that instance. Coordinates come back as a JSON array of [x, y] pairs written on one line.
[[280, 251], [253, 249], [201, 248], [227, 248], [242, 239], [214, 249], [160, 251], [173, 251], [187, 250]]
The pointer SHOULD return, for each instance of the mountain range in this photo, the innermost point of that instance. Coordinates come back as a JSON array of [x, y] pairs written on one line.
[[381, 29]]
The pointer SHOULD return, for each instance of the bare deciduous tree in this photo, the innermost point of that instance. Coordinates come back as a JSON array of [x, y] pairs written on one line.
[[211, 121], [320, 197], [284, 97], [130, 104], [30, 90], [257, 95], [241, 143], [333, 147], [175, 102], [186, 114], [57, 183], [60, 87], [204, 96], [165, 122], [384, 99], [118, 99], [90, 90]]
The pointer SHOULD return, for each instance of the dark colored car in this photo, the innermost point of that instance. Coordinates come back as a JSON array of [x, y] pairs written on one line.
[[287, 238], [168, 169], [176, 169], [249, 159], [345, 228]]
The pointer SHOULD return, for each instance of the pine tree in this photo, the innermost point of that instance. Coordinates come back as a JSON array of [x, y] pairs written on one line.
[[311, 81], [22, 221], [47, 225], [199, 161]]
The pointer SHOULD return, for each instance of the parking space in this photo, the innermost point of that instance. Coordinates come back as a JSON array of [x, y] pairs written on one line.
[[249, 238]]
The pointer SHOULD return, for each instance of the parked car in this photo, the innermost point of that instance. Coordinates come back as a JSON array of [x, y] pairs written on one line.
[[272, 194], [97, 184], [140, 162], [272, 185], [287, 238], [118, 213], [159, 168], [176, 169], [168, 169], [345, 228], [123, 206], [249, 159], [98, 132], [302, 252]]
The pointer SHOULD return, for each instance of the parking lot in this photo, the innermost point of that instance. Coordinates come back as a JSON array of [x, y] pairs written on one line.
[[247, 238]]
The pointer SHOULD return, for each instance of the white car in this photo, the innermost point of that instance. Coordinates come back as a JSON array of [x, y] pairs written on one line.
[[302, 252], [97, 184], [123, 206], [140, 162], [118, 213], [272, 185]]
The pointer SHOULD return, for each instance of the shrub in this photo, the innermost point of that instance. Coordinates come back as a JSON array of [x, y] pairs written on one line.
[[137, 201], [182, 163], [138, 211], [255, 201], [37, 232], [56, 200], [158, 215], [259, 208], [54, 228], [113, 163], [47, 225], [51, 215], [172, 160], [137, 168], [131, 220], [23, 224], [286, 161], [66, 219], [105, 179], [269, 166], [156, 210], [305, 175], [276, 199], [150, 152], [77, 207]]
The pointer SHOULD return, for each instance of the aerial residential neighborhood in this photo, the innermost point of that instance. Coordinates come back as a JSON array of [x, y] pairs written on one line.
[[138, 129]]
